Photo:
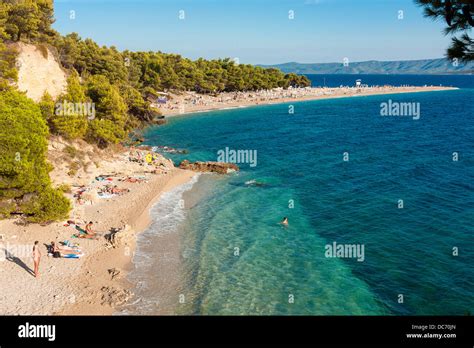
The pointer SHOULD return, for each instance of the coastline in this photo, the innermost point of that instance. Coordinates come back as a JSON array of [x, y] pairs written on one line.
[[184, 104], [121, 257], [96, 283], [85, 286]]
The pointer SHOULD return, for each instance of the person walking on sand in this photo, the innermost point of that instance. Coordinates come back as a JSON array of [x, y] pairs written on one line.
[[36, 258]]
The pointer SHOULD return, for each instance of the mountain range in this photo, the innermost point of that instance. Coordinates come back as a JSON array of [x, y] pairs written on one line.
[[423, 66]]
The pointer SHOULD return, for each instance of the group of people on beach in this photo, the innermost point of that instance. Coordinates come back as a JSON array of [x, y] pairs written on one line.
[[57, 251], [149, 158], [82, 195], [113, 190], [193, 99]]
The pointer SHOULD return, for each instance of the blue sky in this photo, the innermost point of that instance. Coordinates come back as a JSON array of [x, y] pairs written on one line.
[[259, 31]]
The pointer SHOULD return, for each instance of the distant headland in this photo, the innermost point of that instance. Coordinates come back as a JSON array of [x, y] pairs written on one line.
[[424, 66]]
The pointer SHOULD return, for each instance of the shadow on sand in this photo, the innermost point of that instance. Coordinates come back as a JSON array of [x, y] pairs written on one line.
[[12, 258]]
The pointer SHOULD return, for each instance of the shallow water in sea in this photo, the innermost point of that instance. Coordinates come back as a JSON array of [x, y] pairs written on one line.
[[237, 259]]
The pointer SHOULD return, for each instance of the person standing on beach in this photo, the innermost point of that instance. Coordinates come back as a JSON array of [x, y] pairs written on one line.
[[36, 258]]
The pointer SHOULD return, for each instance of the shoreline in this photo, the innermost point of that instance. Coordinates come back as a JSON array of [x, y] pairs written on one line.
[[183, 105], [95, 284], [87, 286], [158, 265], [121, 260]]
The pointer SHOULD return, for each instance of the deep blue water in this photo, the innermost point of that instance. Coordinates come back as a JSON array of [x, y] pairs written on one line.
[[407, 251]]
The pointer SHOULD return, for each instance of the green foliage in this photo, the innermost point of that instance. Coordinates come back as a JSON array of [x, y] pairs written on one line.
[[23, 167], [22, 145], [88, 58], [70, 124], [105, 132], [76, 93], [8, 70], [137, 106], [46, 105], [108, 101], [172, 72], [459, 17], [295, 80], [461, 48], [161, 71], [47, 205], [109, 125], [3, 20], [29, 19]]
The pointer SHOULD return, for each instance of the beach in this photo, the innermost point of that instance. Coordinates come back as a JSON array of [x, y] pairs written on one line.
[[95, 283], [190, 102]]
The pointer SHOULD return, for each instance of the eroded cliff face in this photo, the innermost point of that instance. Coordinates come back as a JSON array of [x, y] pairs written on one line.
[[39, 72]]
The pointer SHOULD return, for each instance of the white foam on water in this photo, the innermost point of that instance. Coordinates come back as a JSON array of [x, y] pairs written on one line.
[[166, 215]]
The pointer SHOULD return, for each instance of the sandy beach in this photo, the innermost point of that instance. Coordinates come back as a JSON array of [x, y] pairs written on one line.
[[95, 283], [190, 102]]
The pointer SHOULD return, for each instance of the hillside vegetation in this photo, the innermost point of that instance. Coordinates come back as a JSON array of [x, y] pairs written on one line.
[[117, 84]]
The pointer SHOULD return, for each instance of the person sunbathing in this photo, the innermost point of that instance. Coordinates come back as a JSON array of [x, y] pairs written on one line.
[[133, 180], [87, 232], [88, 229], [58, 251], [115, 190]]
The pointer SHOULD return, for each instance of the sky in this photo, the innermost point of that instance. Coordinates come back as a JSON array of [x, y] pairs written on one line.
[[259, 31]]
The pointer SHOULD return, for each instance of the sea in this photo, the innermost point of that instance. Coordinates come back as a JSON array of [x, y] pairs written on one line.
[[380, 208]]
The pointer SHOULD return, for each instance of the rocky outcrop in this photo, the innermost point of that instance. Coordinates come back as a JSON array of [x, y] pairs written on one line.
[[214, 167]]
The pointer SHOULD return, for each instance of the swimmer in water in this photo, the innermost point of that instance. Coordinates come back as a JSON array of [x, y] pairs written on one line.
[[285, 221]]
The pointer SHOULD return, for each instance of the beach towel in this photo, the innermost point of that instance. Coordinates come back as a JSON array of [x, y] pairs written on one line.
[[84, 236], [72, 256], [81, 230], [105, 195], [69, 244]]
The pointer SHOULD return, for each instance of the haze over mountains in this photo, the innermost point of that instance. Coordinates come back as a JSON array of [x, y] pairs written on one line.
[[423, 66]]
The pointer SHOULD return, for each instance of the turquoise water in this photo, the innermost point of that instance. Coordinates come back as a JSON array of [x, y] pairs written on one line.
[[280, 270]]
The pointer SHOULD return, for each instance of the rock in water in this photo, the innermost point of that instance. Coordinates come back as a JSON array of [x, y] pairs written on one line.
[[214, 167]]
